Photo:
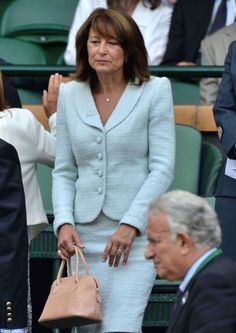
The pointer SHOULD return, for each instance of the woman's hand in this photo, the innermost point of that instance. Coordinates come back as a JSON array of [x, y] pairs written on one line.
[[67, 238], [119, 244], [50, 97]]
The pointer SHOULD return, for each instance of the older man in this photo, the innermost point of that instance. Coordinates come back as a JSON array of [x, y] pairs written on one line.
[[183, 241]]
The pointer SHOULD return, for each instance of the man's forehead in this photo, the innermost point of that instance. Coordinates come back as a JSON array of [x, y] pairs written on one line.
[[158, 222]]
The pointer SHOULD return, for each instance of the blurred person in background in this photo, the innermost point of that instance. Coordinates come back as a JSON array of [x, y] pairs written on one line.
[[34, 144], [152, 17], [214, 49], [191, 21], [224, 111], [13, 242]]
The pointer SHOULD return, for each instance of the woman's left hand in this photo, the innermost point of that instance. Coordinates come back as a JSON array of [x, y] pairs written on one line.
[[119, 244]]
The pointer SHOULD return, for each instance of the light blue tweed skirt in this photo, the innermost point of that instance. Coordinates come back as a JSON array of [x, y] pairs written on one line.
[[124, 290]]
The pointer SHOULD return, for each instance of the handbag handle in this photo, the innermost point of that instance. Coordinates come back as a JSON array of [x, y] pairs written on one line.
[[78, 253]]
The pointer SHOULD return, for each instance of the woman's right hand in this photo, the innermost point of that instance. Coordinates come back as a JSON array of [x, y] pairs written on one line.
[[50, 97], [67, 238]]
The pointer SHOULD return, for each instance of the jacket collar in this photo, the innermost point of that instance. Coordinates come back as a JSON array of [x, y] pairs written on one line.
[[88, 113]]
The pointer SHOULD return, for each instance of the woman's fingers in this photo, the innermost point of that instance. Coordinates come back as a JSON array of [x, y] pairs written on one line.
[[67, 238], [119, 245], [50, 97]]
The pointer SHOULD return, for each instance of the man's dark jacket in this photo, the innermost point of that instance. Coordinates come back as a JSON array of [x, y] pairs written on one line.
[[13, 241]]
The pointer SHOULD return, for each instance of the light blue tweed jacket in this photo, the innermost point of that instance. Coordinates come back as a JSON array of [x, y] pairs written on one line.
[[117, 168]]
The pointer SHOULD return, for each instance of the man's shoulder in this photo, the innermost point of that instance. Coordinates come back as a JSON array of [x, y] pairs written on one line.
[[224, 33], [220, 268], [233, 47]]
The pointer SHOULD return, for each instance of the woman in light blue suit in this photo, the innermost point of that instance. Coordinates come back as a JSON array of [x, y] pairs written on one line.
[[115, 153]]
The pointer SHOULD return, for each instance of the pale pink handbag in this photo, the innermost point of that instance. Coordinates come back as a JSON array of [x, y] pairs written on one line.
[[73, 300]]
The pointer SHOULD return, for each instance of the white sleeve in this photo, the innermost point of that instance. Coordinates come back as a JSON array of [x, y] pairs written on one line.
[[157, 36], [83, 10], [44, 142], [52, 124]]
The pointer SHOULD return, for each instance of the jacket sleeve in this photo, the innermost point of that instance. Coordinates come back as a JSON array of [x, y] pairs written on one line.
[[208, 86], [161, 138], [225, 105], [175, 46], [157, 37], [65, 172], [13, 241], [44, 141]]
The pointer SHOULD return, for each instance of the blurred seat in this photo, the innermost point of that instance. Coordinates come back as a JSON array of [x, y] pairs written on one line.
[[39, 21], [211, 165], [198, 163], [19, 52], [3, 5], [185, 92], [43, 22], [188, 159]]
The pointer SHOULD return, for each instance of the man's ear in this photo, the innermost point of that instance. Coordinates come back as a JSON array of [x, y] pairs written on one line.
[[185, 243]]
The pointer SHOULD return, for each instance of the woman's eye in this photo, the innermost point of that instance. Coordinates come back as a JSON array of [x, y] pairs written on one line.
[[112, 43]]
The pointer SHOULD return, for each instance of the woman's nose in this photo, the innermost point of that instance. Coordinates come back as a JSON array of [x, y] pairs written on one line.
[[103, 47]]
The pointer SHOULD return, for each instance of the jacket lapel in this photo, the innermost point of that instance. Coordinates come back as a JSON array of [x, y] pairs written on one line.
[[124, 106], [88, 113], [86, 109], [178, 307]]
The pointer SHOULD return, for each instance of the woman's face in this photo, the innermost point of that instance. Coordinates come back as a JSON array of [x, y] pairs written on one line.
[[105, 55]]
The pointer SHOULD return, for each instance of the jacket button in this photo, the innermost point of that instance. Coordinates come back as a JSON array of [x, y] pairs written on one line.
[[99, 156], [9, 314], [9, 308], [98, 139], [9, 320], [100, 173], [100, 190], [8, 303]]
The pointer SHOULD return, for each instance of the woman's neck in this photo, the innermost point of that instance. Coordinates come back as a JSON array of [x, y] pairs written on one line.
[[109, 84]]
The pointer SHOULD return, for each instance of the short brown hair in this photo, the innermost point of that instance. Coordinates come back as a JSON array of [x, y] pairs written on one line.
[[107, 22]]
